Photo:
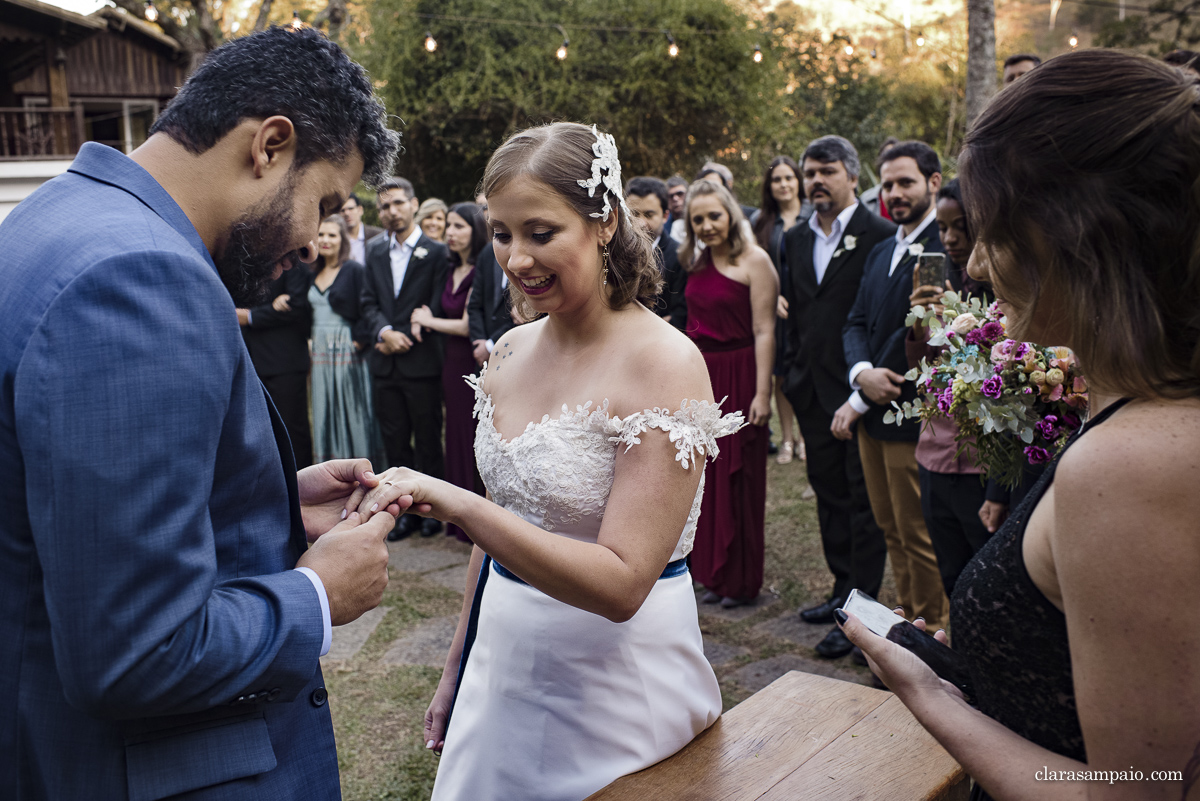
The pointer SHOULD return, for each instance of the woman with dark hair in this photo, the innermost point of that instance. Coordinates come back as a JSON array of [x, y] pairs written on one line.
[[1078, 620], [952, 493], [344, 423], [466, 235], [783, 205], [731, 298], [578, 656]]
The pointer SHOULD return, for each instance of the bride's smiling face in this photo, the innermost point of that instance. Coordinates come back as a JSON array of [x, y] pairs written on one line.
[[547, 249]]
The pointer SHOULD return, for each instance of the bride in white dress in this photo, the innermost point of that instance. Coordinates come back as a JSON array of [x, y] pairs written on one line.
[[579, 660]]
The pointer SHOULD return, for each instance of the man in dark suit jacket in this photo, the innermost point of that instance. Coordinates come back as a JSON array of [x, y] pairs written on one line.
[[647, 199], [406, 270], [873, 339], [276, 333], [489, 314], [825, 257], [360, 233]]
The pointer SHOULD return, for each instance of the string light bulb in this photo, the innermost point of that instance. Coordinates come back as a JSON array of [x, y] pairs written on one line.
[[920, 40], [297, 23], [848, 49], [1074, 40], [561, 52], [151, 12], [672, 48], [430, 42], [757, 54]]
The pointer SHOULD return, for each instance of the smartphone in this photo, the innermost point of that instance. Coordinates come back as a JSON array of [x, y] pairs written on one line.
[[941, 658], [931, 270]]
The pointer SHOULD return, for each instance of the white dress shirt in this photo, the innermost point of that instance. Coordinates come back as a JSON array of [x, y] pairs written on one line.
[[825, 246], [903, 243], [400, 254], [326, 618], [358, 245]]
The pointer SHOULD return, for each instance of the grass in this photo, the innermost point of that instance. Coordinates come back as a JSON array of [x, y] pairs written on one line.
[[378, 710]]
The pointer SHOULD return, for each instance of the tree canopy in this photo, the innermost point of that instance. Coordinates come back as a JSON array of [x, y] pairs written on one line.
[[486, 80]]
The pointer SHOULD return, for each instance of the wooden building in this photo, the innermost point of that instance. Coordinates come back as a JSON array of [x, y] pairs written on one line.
[[66, 78]]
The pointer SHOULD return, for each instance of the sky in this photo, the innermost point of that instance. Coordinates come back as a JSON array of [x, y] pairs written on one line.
[[78, 6]]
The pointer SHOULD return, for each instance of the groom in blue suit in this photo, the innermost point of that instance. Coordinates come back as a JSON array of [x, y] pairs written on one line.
[[167, 580]]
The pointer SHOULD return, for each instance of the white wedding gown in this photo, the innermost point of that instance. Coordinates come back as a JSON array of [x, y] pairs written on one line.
[[554, 702]]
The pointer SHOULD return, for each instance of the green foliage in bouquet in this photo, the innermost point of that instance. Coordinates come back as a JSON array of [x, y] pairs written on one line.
[[1015, 402]]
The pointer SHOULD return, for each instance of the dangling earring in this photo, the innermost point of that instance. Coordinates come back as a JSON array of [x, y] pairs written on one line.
[[605, 258]]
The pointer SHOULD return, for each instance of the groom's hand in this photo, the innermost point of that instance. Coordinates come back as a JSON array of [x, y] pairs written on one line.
[[331, 490], [351, 561]]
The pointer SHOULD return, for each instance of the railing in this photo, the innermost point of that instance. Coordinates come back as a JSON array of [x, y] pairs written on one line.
[[31, 133]]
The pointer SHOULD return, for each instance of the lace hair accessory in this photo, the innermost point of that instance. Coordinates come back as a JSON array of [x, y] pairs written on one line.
[[606, 170]]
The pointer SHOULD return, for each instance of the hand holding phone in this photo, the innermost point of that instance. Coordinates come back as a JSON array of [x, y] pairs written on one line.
[[931, 270], [880, 620]]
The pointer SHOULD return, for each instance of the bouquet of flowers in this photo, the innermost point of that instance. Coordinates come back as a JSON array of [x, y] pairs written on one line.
[[1016, 401]]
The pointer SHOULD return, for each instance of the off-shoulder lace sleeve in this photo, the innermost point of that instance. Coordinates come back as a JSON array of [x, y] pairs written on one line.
[[483, 403], [694, 428]]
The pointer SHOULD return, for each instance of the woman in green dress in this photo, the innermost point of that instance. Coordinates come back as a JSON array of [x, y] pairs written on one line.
[[344, 424]]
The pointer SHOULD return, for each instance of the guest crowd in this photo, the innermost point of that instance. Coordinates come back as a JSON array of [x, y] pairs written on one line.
[[801, 300]]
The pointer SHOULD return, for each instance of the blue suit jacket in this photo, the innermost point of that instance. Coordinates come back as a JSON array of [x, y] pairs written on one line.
[[875, 330], [153, 639]]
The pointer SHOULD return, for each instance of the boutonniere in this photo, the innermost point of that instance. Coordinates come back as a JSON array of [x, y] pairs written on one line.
[[420, 253], [849, 243], [916, 249]]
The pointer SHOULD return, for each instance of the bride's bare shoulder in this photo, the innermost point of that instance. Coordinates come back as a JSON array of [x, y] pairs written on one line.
[[517, 340], [661, 367]]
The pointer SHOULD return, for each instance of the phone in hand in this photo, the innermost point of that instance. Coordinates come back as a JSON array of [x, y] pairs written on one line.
[[941, 658], [931, 270]]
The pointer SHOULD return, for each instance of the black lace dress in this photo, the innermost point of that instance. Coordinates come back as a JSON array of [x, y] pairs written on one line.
[[1015, 639]]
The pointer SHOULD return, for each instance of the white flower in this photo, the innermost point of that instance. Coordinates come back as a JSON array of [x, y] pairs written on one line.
[[849, 242], [420, 253], [964, 323], [606, 161], [916, 249]]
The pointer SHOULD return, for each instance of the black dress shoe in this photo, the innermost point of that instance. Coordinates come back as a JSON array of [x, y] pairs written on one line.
[[834, 645], [821, 613], [430, 527], [397, 533]]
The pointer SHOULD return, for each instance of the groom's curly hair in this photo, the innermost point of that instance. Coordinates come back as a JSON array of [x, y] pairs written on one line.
[[300, 75], [559, 155]]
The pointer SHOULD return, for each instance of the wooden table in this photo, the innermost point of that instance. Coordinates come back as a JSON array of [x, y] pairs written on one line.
[[804, 738]]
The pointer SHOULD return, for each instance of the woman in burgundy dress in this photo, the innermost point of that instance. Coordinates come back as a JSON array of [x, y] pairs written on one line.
[[731, 294], [466, 235]]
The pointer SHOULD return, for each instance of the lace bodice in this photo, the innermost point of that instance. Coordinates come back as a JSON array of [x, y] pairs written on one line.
[[558, 472]]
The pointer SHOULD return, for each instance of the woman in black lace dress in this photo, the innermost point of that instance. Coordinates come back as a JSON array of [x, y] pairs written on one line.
[[1080, 618]]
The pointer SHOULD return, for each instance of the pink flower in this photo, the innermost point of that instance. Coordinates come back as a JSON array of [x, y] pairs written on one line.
[[993, 387], [992, 330], [1047, 427], [1037, 455], [1004, 350], [1071, 420]]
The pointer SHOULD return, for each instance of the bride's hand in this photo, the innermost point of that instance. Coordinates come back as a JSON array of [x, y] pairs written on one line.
[[434, 735], [413, 492]]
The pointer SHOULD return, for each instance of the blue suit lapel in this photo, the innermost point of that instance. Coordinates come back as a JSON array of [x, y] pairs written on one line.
[[106, 165], [298, 537]]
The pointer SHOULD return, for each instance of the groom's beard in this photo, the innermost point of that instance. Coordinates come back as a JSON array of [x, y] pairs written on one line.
[[254, 245]]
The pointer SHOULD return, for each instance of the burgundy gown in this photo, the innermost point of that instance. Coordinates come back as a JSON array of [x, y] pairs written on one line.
[[728, 554], [459, 361]]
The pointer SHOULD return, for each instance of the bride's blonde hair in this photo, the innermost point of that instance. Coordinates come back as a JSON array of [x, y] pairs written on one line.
[[560, 155]]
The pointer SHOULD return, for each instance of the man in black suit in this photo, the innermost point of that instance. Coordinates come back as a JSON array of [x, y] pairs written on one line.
[[910, 175], [489, 314], [825, 257], [677, 189], [360, 234], [276, 333], [405, 270], [647, 199]]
